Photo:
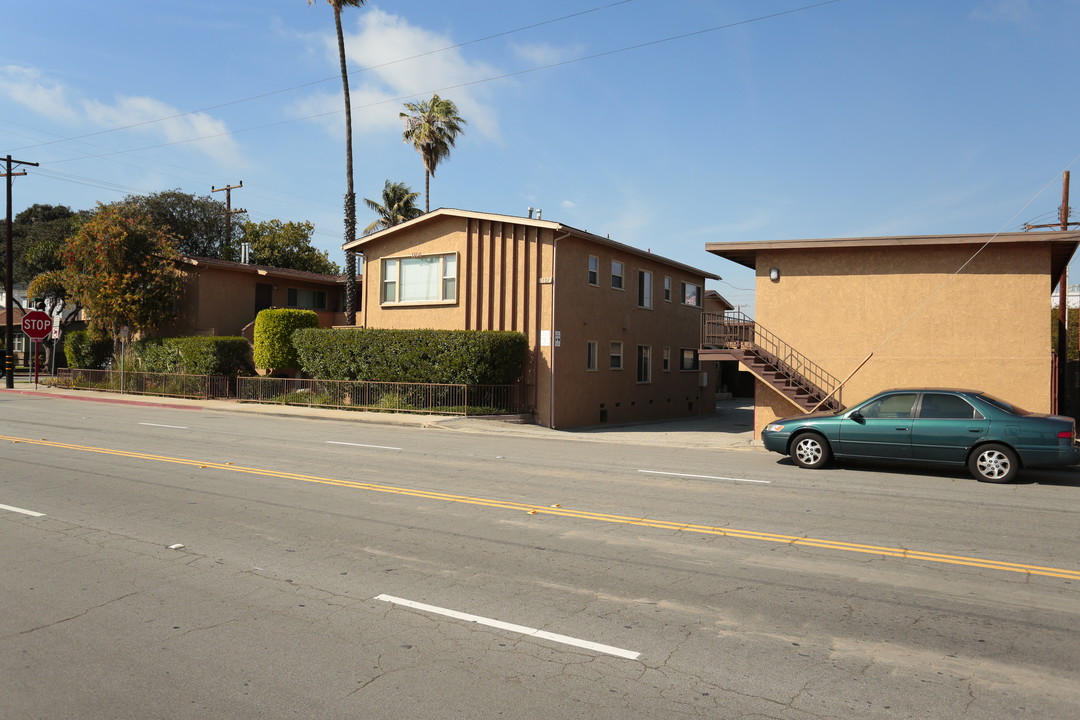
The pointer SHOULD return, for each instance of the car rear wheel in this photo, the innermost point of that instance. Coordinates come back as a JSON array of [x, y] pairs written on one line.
[[810, 450], [994, 464]]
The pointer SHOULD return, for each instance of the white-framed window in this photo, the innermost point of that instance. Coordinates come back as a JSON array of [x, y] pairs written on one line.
[[689, 359], [644, 363], [615, 355], [666, 361], [593, 349], [594, 270], [667, 289], [306, 299], [691, 294], [644, 289], [616, 275], [424, 279]]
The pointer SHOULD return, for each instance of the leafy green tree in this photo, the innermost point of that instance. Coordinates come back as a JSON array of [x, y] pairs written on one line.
[[432, 129], [201, 225], [37, 235], [287, 245], [350, 193], [398, 205], [1073, 317], [121, 268]]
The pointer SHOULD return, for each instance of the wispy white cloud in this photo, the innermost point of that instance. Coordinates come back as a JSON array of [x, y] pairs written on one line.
[[1009, 11], [52, 99], [540, 54], [378, 92]]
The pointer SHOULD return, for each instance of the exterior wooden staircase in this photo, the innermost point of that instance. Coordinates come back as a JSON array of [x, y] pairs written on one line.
[[735, 336]]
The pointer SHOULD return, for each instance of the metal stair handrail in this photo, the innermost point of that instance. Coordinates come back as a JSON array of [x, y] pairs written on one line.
[[734, 330]]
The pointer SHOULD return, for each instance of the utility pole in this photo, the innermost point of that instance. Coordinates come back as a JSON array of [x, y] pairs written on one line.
[[229, 212], [1063, 301], [9, 329]]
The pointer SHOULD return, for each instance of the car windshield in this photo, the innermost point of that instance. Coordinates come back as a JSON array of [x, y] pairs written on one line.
[[1006, 406]]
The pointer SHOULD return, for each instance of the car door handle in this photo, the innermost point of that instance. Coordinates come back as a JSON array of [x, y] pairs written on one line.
[[901, 428]]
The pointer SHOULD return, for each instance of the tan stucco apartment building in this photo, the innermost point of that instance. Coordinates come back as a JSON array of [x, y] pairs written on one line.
[[614, 331], [956, 310], [221, 297]]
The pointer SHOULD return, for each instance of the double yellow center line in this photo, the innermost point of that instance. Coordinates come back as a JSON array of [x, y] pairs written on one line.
[[881, 551]]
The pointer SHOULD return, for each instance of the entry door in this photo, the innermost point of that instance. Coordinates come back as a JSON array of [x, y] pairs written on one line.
[[264, 296], [882, 428]]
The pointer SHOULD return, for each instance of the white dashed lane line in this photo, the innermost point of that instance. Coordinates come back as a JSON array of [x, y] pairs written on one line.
[[175, 427], [706, 477], [31, 513], [377, 447]]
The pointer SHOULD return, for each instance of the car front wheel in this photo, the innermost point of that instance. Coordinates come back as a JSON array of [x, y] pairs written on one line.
[[994, 464], [810, 450]]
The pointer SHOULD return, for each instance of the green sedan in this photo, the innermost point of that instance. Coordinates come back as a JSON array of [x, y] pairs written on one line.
[[993, 438]]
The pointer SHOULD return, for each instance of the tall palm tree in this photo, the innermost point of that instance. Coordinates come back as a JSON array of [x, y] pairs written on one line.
[[432, 128], [350, 194], [398, 205]]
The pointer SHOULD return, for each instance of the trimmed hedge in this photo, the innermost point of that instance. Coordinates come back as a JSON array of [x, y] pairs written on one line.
[[470, 357], [194, 355], [83, 351], [274, 329]]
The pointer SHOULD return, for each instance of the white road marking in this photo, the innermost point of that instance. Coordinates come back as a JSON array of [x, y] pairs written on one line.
[[533, 632], [706, 477], [31, 513], [175, 427], [378, 447]]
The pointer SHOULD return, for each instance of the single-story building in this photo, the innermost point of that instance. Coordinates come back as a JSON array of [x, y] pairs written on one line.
[[613, 330], [840, 319]]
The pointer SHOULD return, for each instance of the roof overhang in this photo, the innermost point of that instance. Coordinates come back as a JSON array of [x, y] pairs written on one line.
[[558, 228], [1062, 245]]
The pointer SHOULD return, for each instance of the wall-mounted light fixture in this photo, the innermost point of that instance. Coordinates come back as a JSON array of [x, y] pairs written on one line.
[[774, 274]]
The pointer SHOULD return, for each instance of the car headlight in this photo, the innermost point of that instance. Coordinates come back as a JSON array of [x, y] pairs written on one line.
[[773, 427]]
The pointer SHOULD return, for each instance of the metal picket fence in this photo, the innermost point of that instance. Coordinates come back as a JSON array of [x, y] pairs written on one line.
[[439, 399]]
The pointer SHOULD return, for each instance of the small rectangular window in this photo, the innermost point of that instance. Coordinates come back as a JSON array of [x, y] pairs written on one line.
[[689, 360], [644, 364], [390, 278], [644, 293], [615, 356], [594, 270], [616, 275], [591, 361], [306, 299], [667, 289], [691, 294], [667, 359]]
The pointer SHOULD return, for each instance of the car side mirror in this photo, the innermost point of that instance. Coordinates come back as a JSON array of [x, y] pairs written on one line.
[[856, 416]]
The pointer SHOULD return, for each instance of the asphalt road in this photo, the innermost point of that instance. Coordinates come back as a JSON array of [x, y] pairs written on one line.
[[184, 563]]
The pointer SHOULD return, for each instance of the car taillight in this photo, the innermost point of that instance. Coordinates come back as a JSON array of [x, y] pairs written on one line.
[[1066, 434]]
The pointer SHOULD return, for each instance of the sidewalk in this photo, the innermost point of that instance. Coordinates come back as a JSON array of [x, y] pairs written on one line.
[[730, 428]]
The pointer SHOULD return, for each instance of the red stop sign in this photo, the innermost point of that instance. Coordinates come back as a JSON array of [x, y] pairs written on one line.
[[37, 325]]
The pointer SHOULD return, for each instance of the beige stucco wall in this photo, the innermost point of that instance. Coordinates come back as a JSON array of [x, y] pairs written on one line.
[[985, 327]]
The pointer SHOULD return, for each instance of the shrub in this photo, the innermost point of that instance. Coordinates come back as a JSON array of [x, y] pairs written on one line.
[[82, 351], [470, 357], [273, 336], [194, 355]]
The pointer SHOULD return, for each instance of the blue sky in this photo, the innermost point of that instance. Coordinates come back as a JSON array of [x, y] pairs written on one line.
[[849, 118]]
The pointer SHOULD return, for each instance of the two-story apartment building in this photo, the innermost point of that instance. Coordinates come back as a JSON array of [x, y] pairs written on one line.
[[614, 331]]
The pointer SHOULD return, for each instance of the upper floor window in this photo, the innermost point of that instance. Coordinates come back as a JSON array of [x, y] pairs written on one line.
[[594, 270], [616, 275], [644, 290], [306, 299], [592, 352], [667, 289], [427, 279], [691, 294], [667, 359]]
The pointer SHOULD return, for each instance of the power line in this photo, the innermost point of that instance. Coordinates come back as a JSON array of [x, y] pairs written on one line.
[[333, 77], [470, 83]]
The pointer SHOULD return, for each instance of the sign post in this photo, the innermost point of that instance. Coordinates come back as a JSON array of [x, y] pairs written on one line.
[[36, 325]]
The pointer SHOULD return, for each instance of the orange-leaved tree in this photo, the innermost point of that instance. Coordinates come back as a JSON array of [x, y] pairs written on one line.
[[120, 267]]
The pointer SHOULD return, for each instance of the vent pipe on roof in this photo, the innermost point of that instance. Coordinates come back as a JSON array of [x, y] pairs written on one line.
[[539, 213], [530, 212]]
